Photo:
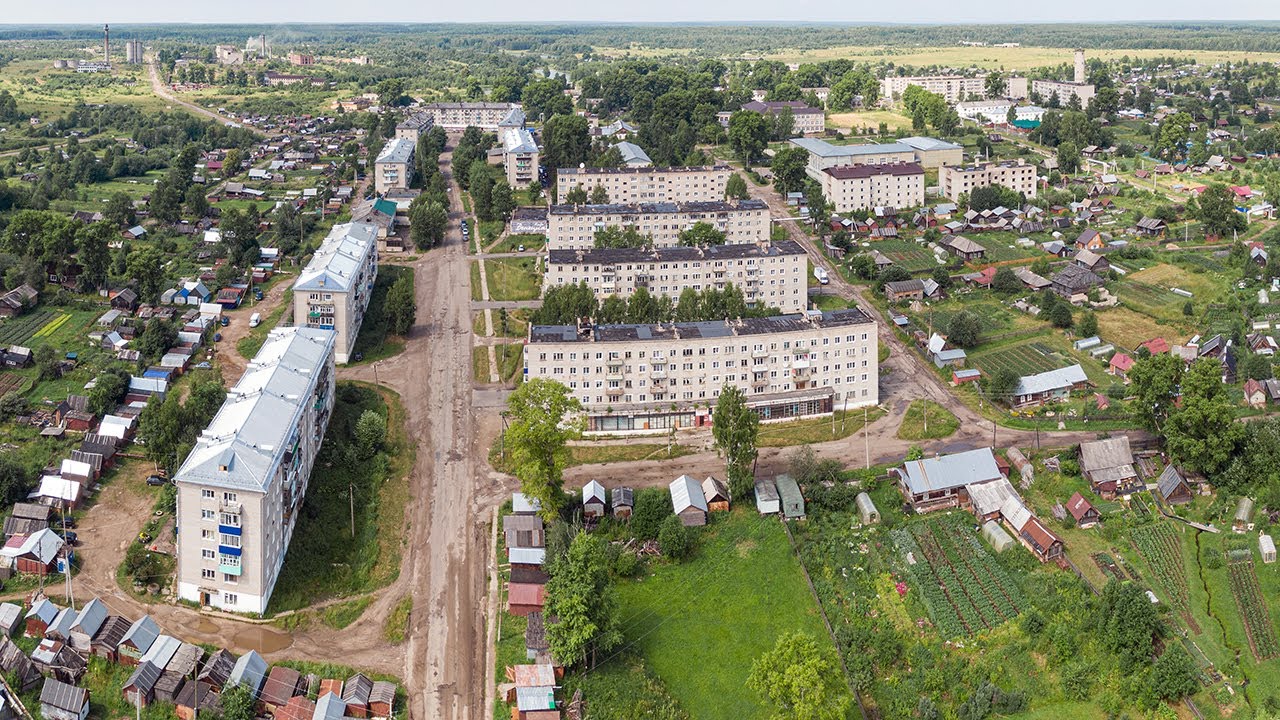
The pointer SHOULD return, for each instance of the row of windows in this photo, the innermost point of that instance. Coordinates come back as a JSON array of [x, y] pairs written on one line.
[[660, 397], [748, 263], [618, 367], [573, 384], [659, 355], [207, 494]]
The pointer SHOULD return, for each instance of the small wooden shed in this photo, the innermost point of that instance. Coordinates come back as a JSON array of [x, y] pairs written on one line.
[[716, 493], [139, 690], [63, 701], [767, 501], [867, 509], [624, 501], [1172, 487], [355, 692], [594, 500], [10, 619], [688, 501]]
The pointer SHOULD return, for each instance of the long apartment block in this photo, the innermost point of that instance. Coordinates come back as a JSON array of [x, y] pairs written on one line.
[[242, 485], [960, 179], [488, 116], [333, 291], [651, 378], [768, 274], [862, 187], [648, 184], [573, 227], [952, 88]]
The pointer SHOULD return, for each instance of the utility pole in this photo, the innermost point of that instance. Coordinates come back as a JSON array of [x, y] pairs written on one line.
[[351, 493], [866, 439]]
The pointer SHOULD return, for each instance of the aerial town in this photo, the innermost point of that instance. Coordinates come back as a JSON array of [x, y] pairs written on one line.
[[607, 372]]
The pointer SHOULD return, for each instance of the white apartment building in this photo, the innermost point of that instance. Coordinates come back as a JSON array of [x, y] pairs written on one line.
[[1064, 90], [241, 487], [768, 274], [862, 187], [484, 115], [953, 88], [573, 227], [332, 292], [648, 184], [957, 180], [651, 378], [414, 127], [519, 157], [823, 155], [996, 111], [393, 168]]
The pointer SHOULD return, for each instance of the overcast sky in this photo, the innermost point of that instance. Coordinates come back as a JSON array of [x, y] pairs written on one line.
[[850, 11]]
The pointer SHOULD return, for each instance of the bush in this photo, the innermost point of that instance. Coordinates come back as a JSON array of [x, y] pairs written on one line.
[[674, 539], [651, 507], [627, 564]]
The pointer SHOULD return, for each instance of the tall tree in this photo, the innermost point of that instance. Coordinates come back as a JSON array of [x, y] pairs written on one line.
[[1216, 211], [503, 201], [735, 428], [566, 142], [400, 306], [736, 188], [701, 234], [427, 222], [92, 242], [541, 424], [799, 681], [788, 169], [996, 85], [748, 136], [582, 599], [1203, 432]]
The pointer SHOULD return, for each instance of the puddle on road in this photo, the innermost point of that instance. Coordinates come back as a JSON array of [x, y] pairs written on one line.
[[262, 640], [206, 627]]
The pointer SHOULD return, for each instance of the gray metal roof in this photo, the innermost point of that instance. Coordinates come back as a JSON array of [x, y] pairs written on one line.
[[1169, 481], [62, 696], [249, 671], [10, 615], [1050, 380], [822, 148], [950, 471], [141, 634], [248, 437], [687, 493], [399, 150], [519, 140], [337, 262], [91, 617], [329, 707], [792, 498], [632, 153], [926, 144], [162, 650], [144, 677]]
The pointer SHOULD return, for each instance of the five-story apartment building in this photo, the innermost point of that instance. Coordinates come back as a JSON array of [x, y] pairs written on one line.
[[648, 184], [332, 292], [572, 227]]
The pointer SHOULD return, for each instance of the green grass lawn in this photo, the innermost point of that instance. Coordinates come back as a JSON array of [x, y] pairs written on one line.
[[375, 341], [700, 624], [510, 361], [812, 430], [512, 243], [907, 254], [477, 292], [250, 344], [927, 420], [480, 364], [513, 279], [396, 626]]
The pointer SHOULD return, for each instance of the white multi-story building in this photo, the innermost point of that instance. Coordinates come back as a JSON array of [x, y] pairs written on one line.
[[241, 487], [997, 111], [648, 184], [519, 157], [768, 274], [393, 168], [958, 180], [332, 292], [862, 187], [651, 378], [487, 116], [414, 127], [574, 227], [1047, 89], [952, 88]]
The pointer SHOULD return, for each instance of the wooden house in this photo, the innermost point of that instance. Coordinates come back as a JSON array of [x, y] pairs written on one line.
[[716, 494], [299, 707], [329, 706], [195, 695], [86, 625], [624, 501], [1090, 239], [106, 642], [1173, 488], [42, 612], [904, 290], [524, 598], [63, 701], [17, 666], [964, 248], [1074, 282], [523, 531], [595, 500], [140, 689], [217, 668], [1050, 386], [382, 699], [34, 554], [1085, 514], [535, 636], [26, 519], [250, 670], [11, 619], [1255, 393], [1108, 466], [355, 693], [137, 640], [1092, 261], [688, 501], [940, 482], [56, 658]]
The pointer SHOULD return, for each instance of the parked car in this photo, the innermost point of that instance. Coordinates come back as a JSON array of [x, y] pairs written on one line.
[[520, 249], [217, 337], [70, 537], [156, 480], [257, 294], [64, 522], [255, 320], [225, 321]]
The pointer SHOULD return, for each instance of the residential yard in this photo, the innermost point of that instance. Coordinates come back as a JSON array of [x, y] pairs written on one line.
[[1149, 291], [512, 243], [376, 341], [743, 576], [251, 343], [1127, 329], [514, 279], [927, 420], [911, 256], [842, 424], [510, 361], [326, 559]]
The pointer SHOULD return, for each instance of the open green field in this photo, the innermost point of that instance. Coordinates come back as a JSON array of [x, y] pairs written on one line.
[[42, 90], [718, 612], [863, 119], [1000, 247], [512, 243], [1014, 58], [1149, 291], [907, 254], [1128, 329], [513, 278], [927, 420]]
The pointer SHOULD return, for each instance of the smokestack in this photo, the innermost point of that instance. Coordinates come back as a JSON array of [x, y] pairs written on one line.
[[1080, 66], [106, 43]]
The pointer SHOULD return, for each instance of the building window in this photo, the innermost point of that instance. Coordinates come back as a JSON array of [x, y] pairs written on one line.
[[231, 519], [206, 494], [229, 497], [229, 598], [208, 574], [229, 540], [229, 578], [207, 554], [207, 514], [206, 534]]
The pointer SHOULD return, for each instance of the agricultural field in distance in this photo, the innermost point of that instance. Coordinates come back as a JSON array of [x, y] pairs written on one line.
[[1015, 58]]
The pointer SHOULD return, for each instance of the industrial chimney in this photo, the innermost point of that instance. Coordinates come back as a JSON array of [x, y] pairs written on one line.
[[106, 43], [1080, 79]]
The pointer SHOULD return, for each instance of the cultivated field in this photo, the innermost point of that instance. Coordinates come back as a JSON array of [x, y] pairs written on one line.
[[1017, 58], [1024, 359]]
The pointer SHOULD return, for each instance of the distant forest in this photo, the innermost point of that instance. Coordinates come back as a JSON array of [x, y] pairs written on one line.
[[563, 40]]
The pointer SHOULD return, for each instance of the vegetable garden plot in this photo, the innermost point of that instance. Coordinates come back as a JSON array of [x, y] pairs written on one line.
[[1161, 547], [18, 330], [963, 587], [1253, 609], [10, 382], [1021, 359]]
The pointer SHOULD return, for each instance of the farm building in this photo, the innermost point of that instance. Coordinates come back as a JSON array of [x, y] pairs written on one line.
[[595, 500], [10, 619], [939, 482], [999, 539], [1085, 514], [1172, 487], [282, 684], [1243, 519], [61, 701], [1108, 466], [535, 636], [86, 625], [193, 695], [355, 692], [36, 554], [26, 519], [688, 501], [382, 699], [866, 509], [56, 658], [767, 501], [792, 500], [904, 290], [18, 666], [1267, 547], [217, 669], [140, 688], [987, 499], [717, 495], [624, 501], [106, 642], [524, 598]]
